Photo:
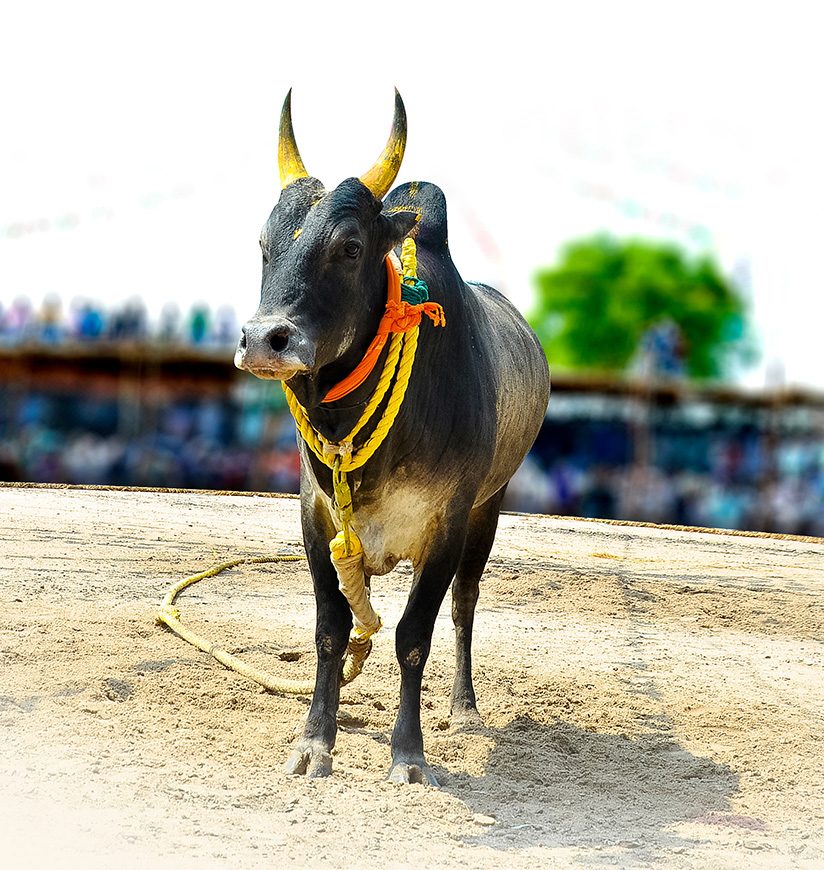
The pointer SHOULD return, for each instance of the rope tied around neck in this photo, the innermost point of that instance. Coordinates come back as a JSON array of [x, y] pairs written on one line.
[[407, 299], [400, 325]]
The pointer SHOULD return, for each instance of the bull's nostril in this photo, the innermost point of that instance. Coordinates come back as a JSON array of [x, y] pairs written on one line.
[[278, 340], [242, 344]]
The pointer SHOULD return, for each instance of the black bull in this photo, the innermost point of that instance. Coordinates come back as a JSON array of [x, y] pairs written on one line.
[[432, 491]]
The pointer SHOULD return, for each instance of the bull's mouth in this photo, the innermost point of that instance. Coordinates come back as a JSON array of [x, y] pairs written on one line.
[[268, 372], [273, 375]]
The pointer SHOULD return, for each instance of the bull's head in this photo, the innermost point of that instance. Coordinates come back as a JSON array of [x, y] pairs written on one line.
[[324, 279]]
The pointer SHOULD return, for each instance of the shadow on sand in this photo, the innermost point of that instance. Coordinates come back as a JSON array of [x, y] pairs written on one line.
[[562, 786]]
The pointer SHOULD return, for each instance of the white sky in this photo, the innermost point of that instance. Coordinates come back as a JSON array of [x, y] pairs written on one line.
[[138, 143]]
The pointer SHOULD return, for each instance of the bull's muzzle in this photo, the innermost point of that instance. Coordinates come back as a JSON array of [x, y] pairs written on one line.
[[273, 348]]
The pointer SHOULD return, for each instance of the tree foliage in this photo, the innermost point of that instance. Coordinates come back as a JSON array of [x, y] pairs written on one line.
[[594, 307]]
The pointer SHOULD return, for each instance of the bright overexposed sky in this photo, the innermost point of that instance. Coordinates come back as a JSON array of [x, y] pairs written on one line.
[[138, 142]]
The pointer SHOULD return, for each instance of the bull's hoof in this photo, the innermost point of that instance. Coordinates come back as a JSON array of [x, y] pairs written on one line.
[[465, 719], [409, 773], [309, 760]]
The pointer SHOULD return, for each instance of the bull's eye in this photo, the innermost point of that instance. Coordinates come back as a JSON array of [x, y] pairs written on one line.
[[352, 248]]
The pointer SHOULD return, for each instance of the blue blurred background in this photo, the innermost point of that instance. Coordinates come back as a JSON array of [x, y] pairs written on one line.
[[643, 182], [107, 398]]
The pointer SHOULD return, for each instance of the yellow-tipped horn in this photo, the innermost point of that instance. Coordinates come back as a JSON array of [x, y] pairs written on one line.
[[382, 175], [289, 163]]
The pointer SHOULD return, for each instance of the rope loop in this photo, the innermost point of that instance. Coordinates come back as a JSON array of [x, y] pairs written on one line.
[[360, 644], [169, 615]]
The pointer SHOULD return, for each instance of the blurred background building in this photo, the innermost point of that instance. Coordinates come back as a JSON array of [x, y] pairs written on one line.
[[642, 179], [105, 397]]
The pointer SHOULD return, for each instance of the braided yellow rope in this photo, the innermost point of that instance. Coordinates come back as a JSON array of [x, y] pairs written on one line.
[[317, 442], [307, 431], [409, 258], [410, 346], [395, 347], [401, 355], [404, 346], [169, 615]]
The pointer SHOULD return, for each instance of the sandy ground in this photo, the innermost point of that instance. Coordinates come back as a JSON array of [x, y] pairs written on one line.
[[650, 697]]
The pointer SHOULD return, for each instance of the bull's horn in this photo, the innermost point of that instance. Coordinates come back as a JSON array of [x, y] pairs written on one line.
[[382, 175], [289, 163]]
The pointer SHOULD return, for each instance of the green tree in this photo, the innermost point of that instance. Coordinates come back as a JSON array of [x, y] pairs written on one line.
[[594, 307]]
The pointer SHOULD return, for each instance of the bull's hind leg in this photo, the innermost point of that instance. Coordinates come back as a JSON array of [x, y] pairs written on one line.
[[312, 754], [483, 522]]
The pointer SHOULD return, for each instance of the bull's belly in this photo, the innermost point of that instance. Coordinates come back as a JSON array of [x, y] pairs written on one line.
[[398, 527]]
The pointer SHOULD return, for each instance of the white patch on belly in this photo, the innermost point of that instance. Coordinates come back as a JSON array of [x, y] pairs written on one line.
[[398, 527]]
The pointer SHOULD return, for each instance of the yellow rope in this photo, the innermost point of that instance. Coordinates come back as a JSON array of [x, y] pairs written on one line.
[[356, 652], [342, 456], [395, 346], [409, 258], [403, 346]]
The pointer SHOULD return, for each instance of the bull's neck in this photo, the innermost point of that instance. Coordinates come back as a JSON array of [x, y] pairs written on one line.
[[334, 420]]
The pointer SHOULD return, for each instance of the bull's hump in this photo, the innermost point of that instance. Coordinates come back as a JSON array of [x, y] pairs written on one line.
[[428, 201]]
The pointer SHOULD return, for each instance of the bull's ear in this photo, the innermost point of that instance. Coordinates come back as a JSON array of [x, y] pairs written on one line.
[[397, 225]]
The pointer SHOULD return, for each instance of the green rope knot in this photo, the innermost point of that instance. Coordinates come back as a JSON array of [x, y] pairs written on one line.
[[414, 290]]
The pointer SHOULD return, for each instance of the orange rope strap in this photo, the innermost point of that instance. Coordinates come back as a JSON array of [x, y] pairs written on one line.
[[400, 316]]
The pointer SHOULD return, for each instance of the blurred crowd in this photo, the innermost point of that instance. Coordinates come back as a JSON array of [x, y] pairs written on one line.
[[790, 504], [634, 463], [88, 321], [721, 476], [729, 474], [201, 444]]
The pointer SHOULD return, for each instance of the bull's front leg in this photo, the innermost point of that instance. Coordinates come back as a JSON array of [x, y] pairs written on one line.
[[413, 640], [312, 754]]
